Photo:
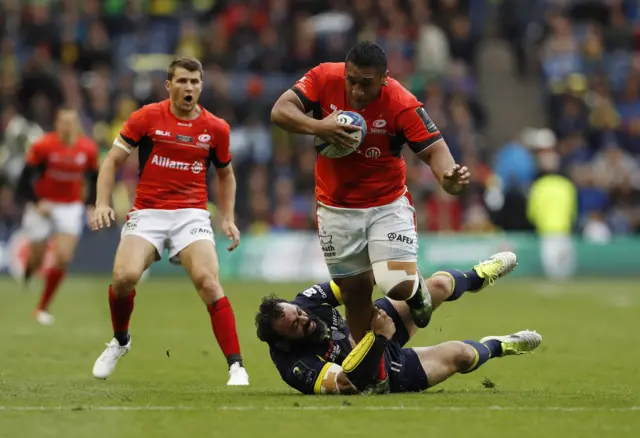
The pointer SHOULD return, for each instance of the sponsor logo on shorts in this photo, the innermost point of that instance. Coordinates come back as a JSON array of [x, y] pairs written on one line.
[[327, 245], [184, 138], [132, 223], [372, 153], [200, 230], [395, 237]]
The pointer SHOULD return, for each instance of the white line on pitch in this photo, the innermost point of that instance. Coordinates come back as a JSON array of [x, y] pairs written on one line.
[[323, 408]]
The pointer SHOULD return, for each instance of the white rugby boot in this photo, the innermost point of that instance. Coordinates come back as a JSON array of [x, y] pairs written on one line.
[[496, 266], [107, 361], [524, 341], [44, 317], [238, 376]]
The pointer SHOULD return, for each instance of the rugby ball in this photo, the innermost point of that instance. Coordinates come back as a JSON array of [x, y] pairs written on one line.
[[335, 151]]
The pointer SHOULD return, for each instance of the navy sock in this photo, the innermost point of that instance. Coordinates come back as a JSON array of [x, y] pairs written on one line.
[[495, 347], [483, 354], [462, 282]]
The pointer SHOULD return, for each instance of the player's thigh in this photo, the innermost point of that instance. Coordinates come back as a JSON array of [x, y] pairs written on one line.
[[391, 232], [201, 263], [134, 255], [36, 227], [343, 239], [393, 248], [64, 246], [441, 361]]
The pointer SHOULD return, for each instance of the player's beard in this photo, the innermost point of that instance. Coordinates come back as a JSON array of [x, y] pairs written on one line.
[[315, 330]]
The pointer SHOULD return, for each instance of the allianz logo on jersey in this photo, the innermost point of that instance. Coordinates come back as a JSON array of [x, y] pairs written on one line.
[[195, 167]]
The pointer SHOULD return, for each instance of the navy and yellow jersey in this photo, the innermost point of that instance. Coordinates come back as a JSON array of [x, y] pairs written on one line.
[[304, 368], [313, 369]]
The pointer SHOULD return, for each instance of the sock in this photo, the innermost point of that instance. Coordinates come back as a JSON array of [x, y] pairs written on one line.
[[462, 282], [495, 347], [381, 374], [483, 354], [223, 323], [52, 281], [121, 310]]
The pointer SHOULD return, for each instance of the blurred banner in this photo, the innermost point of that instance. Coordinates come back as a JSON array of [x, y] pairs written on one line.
[[297, 256]]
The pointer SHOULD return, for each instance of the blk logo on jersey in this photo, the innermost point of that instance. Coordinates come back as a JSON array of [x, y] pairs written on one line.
[[163, 133]]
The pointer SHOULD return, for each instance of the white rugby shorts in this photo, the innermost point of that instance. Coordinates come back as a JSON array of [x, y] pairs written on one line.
[[173, 230], [65, 218], [354, 238]]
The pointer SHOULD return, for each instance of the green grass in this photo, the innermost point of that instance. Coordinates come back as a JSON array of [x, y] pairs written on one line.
[[583, 381]]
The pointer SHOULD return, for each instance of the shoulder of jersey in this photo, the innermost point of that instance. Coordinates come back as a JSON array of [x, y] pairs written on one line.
[[88, 142], [214, 121], [331, 71], [47, 139], [154, 108], [396, 93]]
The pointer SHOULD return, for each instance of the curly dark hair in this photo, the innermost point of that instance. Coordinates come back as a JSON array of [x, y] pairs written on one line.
[[269, 311]]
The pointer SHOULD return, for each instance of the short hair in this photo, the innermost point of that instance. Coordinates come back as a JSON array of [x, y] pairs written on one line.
[[368, 54], [189, 64], [269, 311]]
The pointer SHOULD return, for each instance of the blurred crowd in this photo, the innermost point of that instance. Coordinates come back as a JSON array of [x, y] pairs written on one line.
[[109, 57], [586, 59]]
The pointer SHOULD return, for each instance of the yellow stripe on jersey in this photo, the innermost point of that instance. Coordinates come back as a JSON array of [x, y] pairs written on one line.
[[336, 292], [354, 358], [317, 388]]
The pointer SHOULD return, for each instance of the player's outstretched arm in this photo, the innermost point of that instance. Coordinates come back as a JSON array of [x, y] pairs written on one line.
[[104, 214], [452, 177]]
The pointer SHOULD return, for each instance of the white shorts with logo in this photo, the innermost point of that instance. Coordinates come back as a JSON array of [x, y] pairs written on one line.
[[65, 218], [354, 238], [173, 230]]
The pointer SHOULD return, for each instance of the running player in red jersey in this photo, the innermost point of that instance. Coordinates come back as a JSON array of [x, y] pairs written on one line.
[[366, 221], [52, 182], [177, 141]]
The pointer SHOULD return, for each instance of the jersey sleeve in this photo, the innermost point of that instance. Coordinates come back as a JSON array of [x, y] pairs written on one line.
[[220, 155], [37, 154], [305, 372], [133, 130], [418, 128], [309, 88], [319, 295]]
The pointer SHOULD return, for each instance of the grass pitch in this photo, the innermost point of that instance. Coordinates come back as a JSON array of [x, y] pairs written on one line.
[[584, 381]]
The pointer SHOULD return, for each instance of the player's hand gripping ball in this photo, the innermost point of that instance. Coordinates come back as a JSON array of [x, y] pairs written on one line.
[[356, 136]]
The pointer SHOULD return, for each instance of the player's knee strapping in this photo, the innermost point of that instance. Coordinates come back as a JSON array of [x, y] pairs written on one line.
[[391, 274]]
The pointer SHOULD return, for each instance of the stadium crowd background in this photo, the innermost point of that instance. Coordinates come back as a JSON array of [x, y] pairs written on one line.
[[109, 57]]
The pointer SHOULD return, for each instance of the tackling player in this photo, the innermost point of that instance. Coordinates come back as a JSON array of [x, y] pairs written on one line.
[[311, 348], [52, 182], [177, 141], [366, 220]]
